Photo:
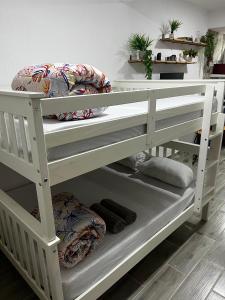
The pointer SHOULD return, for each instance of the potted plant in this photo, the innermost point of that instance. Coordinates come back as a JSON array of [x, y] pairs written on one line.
[[165, 29], [141, 44], [174, 26], [193, 53], [189, 54]]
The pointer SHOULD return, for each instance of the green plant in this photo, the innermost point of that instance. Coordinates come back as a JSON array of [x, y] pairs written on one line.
[[174, 25], [148, 63], [142, 43], [139, 42], [191, 53], [210, 45], [185, 52]]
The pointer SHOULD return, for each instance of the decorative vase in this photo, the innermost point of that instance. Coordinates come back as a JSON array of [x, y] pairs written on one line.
[[172, 36], [189, 58], [163, 36], [137, 54]]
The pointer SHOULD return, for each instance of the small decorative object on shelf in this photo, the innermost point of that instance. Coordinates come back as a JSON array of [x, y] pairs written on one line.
[[185, 38], [159, 56], [188, 55], [174, 26], [142, 45], [165, 30]]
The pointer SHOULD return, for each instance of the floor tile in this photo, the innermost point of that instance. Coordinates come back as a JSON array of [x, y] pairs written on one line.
[[123, 289], [215, 227], [190, 254], [220, 285], [182, 234], [220, 194], [199, 282], [153, 261], [217, 253], [214, 296], [162, 286]]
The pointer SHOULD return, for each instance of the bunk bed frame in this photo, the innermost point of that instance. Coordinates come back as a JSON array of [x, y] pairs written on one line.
[[32, 245], [184, 151]]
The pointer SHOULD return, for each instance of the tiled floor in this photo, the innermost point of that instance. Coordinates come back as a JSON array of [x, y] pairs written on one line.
[[190, 264]]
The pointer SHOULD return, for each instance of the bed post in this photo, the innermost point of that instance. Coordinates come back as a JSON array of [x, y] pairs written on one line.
[[207, 111], [39, 157], [151, 118]]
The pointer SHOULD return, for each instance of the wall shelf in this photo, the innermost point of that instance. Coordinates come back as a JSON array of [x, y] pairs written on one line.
[[184, 42], [133, 61]]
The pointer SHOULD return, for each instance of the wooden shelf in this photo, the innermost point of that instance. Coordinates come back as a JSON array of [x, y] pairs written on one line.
[[134, 61], [184, 42]]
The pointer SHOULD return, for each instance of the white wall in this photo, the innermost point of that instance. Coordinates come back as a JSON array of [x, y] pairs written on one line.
[[217, 19], [88, 31]]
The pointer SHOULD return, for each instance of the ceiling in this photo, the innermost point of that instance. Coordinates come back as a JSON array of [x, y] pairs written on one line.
[[209, 4]]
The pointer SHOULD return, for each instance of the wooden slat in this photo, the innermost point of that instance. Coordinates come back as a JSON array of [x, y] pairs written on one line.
[[10, 236], [73, 103], [12, 135], [43, 271], [25, 251], [84, 132], [166, 134], [76, 165], [2, 216], [19, 165], [17, 242], [2, 229], [23, 138], [4, 136], [34, 261]]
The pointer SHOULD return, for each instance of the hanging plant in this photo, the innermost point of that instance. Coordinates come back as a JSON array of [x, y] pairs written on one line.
[[210, 45], [148, 63]]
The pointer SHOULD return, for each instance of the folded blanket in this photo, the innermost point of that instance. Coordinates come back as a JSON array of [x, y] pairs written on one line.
[[125, 213], [114, 223], [56, 80], [80, 230]]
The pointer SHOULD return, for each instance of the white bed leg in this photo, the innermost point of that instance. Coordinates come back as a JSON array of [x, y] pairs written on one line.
[[203, 148], [205, 213]]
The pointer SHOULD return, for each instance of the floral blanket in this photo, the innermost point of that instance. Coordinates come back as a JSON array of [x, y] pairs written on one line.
[[80, 230], [56, 80]]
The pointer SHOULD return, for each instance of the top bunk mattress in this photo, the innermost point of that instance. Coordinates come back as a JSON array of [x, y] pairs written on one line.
[[116, 113], [155, 203]]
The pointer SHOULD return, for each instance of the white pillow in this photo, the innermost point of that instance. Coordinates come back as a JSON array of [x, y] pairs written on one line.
[[168, 171], [134, 161]]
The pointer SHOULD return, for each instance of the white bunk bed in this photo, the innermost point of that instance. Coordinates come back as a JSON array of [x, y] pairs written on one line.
[[32, 245], [213, 180]]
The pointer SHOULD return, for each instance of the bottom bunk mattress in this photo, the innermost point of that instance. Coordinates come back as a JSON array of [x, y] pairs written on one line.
[[155, 203]]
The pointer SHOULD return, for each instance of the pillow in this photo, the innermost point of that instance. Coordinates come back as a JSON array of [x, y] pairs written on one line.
[[134, 161], [168, 171], [56, 80]]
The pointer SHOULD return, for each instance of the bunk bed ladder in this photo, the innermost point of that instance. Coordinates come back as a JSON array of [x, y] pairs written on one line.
[[203, 150]]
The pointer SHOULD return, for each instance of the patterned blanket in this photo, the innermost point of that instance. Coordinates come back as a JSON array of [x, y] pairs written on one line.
[[79, 229], [56, 80]]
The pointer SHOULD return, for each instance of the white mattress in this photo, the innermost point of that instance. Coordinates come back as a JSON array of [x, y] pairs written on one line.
[[155, 203], [113, 113]]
